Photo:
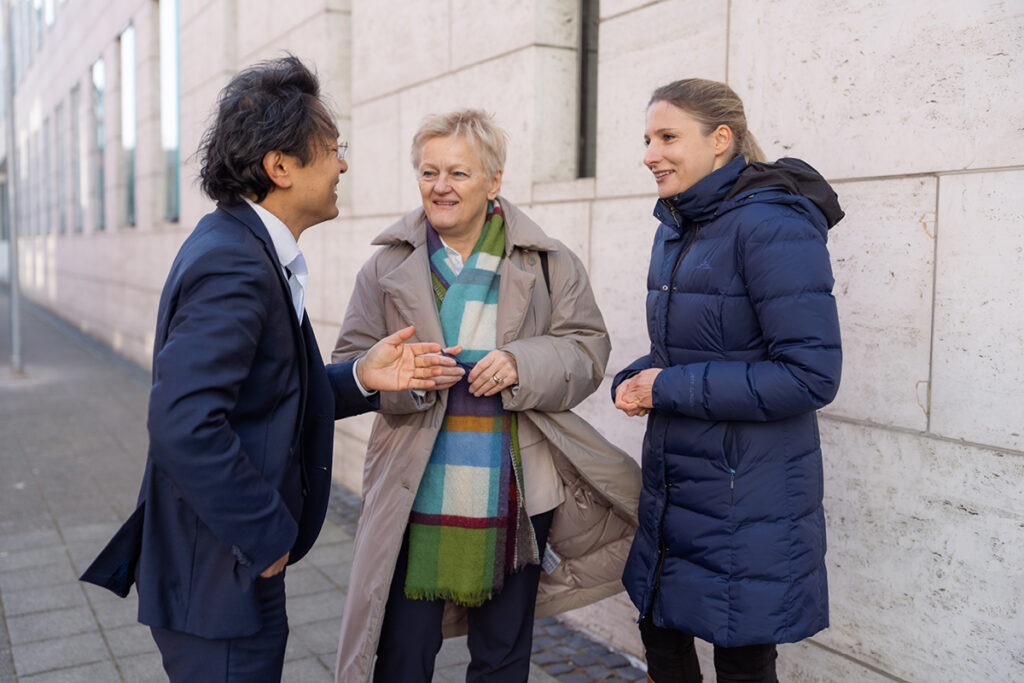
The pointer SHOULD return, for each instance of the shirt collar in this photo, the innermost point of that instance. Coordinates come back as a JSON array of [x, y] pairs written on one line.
[[284, 241], [455, 261]]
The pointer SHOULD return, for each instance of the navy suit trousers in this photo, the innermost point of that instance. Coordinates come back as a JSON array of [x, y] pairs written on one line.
[[258, 658]]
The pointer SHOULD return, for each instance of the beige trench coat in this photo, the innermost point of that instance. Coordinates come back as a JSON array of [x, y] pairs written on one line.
[[561, 351]]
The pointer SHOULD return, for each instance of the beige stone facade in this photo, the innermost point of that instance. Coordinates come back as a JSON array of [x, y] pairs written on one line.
[[912, 110]]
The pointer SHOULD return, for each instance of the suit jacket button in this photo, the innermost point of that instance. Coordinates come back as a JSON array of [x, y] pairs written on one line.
[[242, 558]]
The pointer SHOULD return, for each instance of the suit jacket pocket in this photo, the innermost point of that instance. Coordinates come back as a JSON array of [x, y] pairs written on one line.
[[114, 567]]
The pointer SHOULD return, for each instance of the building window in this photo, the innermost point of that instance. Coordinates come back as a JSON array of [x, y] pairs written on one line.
[[23, 23], [35, 174], [30, 217], [587, 141], [37, 181], [5, 229], [128, 124], [60, 149], [46, 179], [99, 78], [37, 22], [170, 118], [77, 159]]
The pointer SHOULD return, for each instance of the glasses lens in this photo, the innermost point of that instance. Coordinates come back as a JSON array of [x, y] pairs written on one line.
[[342, 150]]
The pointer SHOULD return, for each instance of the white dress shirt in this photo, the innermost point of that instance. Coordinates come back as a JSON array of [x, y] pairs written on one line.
[[293, 265], [453, 257], [288, 253]]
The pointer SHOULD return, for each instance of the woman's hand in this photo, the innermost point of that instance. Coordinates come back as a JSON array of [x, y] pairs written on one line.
[[634, 396], [494, 372]]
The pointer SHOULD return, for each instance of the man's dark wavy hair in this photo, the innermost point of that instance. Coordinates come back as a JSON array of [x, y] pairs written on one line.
[[273, 105]]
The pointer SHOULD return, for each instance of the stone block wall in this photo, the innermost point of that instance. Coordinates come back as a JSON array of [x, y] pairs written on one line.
[[911, 109]]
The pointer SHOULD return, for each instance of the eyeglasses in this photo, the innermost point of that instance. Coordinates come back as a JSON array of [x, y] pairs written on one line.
[[341, 150]]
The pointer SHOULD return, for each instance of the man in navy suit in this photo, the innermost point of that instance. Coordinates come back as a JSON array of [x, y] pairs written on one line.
[[242, 408]]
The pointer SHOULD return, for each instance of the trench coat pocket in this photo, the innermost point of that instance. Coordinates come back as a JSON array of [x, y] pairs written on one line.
[[114, 567]]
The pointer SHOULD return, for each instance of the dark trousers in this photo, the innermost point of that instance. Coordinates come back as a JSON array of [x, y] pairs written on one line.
[[258, 658], [500, 630], [672, 658]]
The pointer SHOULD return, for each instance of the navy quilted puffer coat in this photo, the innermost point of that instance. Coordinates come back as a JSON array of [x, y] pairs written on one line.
[[740, 313]]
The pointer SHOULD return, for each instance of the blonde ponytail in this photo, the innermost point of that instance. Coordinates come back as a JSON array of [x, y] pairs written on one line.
[[714, 104]]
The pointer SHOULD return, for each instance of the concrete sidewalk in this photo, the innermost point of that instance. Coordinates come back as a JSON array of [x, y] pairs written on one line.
[[72, 450]]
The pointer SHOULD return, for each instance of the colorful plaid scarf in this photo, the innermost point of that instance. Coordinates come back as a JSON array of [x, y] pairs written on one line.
[[469, 526]]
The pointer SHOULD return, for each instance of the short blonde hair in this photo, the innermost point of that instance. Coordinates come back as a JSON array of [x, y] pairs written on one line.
[[486, 138]]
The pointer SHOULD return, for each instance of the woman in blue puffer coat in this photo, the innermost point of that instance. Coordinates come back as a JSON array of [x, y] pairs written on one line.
[[744, 349]]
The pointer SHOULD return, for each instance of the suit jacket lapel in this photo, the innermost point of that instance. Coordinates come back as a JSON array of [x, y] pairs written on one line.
[[245, 215]]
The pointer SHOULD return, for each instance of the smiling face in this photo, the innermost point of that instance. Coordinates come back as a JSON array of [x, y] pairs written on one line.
[[679, 153], [455, 188], [316, 185]]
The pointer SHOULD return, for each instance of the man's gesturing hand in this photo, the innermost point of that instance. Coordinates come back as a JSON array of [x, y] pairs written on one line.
[[391, 365]]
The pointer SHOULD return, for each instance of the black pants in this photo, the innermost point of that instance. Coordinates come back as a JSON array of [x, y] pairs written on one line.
[[258, 658], [500, 630], [672, 658]]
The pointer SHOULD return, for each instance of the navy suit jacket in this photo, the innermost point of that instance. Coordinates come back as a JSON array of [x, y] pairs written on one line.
[[241, 428]]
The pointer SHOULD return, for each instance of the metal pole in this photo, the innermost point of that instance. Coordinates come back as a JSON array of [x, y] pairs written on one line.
[[17, 368]]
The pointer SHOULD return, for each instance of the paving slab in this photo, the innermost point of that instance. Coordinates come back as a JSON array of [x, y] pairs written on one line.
[[88, 673], [309, 669], [59, 623], [6, 665], [320, 637], [26, 601], [142, 669], [59, 653], [127, 641]]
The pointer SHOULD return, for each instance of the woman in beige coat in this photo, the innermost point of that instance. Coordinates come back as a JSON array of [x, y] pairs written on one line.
[[533, 345]]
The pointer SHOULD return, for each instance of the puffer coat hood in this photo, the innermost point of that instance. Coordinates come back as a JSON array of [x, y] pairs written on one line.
[[796, 177], [743, 324]]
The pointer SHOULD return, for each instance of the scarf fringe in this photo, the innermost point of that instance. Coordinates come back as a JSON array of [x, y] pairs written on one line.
[[473, 600]]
